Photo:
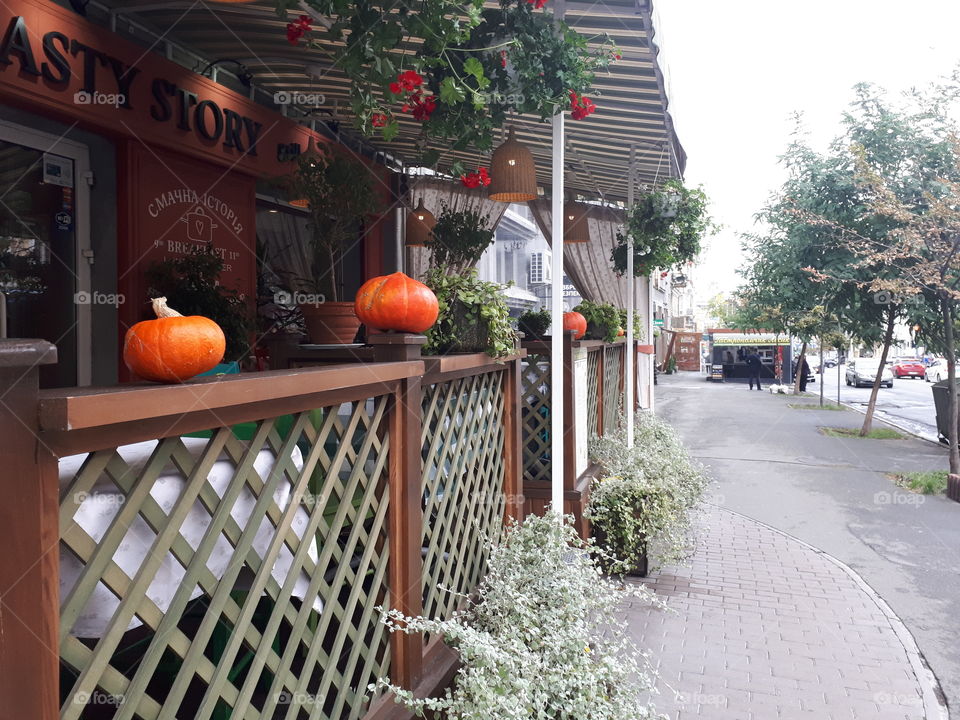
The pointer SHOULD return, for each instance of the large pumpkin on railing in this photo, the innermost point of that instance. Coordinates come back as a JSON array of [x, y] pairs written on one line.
[[576, 322], [396, 302], [173, 348]]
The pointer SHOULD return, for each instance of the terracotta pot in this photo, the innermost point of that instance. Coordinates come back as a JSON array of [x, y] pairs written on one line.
[[331, 323]]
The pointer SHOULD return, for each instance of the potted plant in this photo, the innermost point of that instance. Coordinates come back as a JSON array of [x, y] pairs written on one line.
[[339, 196], [664, 228], [534, 324], [603, 320], [459, 239], [473, 317], [191, 284]]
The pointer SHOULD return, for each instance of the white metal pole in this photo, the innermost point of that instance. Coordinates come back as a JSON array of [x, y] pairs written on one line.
[[556, 314], [630, 380]]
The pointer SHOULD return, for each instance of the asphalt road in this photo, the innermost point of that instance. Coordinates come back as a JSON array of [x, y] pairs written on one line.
[[770, 462], [908, 404]]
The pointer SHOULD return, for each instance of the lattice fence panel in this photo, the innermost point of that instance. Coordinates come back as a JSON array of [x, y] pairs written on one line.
[[612, 378], [593, 392], [463, 500], [230, 575], [535, 418]]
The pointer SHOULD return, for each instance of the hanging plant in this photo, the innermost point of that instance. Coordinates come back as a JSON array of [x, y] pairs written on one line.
[[474, 65], [665, 228]]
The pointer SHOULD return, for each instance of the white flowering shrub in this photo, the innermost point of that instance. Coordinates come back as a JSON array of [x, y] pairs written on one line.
[[541, 640], [645, 496]]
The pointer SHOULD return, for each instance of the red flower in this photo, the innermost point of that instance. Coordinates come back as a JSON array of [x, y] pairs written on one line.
[[503, 58], [409, 80], [422, 106], [476, 179], [379, 119], [297, 29], [537, 3], [580, 106], [617, 56], [395, 88]]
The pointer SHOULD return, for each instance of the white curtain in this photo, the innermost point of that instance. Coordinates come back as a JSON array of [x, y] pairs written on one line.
[[590, 265], [286, 243], [454, 195]]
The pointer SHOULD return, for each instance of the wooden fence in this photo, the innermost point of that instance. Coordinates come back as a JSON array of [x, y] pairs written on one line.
[[220, 549], [594, 375]]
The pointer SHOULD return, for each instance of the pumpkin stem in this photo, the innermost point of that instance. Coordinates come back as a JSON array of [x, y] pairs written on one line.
[[162, 310]]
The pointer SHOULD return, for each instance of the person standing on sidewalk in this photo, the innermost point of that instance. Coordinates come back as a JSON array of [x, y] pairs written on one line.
[[753, 368], [803, 369]]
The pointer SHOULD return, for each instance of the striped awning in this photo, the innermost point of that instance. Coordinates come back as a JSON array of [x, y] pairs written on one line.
[[632, 107]]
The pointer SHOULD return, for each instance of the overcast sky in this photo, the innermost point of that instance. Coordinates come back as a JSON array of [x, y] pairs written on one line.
[[737, 71]]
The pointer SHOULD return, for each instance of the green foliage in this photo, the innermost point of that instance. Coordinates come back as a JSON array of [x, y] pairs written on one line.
[[340, 196], [874, 434], [544, 637], [191, 285], [461, 57], [665, 228], [933, 482], [534, 324], [638, 332], [459, 239], [474, 317], [603, 320], [646, 495]]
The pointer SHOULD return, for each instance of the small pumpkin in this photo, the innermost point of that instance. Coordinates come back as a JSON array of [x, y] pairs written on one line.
[[396, 302], [174, 347], [575, 321], [621, 332]]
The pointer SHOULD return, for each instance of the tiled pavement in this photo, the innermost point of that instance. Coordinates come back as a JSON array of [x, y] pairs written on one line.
[[767, 628]]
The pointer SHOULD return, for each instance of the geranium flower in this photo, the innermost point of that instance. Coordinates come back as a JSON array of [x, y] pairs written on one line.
[[503, 58], [476, 179], [581, 106], [297, 29], [537, 3], [395, 88], [379, 119], [409, 80], [422, 106]]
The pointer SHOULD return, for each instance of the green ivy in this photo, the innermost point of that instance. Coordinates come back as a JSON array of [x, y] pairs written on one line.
[[665, 228], [474, 316], [459, 239], [638, 333], [603, 320]]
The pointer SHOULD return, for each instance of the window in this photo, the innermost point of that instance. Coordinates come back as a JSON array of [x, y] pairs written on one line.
[[540, 270]]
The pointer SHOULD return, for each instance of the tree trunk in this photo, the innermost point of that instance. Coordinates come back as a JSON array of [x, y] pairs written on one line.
[[796, 380], [872, 405], [822, 373], [947, 305]]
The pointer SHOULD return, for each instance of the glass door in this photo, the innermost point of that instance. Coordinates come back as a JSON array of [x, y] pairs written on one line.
[[44, 282]]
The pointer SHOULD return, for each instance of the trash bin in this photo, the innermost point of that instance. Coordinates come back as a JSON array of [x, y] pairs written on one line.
[[941, 400]]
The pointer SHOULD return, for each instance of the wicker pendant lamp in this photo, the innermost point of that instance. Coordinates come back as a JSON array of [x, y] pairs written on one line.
[[575, 228], [420, 222], [513, 176]]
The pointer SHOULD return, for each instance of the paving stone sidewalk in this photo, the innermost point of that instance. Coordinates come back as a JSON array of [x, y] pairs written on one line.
[[765, 627]]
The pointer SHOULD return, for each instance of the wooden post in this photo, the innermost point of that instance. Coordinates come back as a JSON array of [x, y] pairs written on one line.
[[569, 416], [512, 441], [30, 538], [406, 512]]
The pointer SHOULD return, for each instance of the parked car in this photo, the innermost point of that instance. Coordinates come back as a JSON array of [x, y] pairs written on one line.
[[864, 372], [908, 367], [937, 370]]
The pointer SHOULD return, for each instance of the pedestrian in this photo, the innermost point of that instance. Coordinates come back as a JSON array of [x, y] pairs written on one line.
[[803, 369], [753, 368]]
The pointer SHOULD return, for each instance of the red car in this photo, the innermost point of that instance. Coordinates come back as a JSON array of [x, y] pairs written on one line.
[[908, 367]]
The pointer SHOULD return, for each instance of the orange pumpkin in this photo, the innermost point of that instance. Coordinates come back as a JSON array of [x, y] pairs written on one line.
[[173, 348], [396, 302], [621, 332], [576, 322]]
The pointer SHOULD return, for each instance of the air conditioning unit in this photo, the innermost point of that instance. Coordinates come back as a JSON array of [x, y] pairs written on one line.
[[540, 268]]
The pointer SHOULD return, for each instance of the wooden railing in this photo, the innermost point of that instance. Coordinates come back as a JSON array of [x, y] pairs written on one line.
[[594, 375], [220, 549]]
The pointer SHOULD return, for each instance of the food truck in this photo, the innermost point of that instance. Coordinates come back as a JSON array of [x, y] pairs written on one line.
[[728, 350]]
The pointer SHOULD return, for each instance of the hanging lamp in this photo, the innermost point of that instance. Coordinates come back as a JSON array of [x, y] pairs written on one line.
[[575, 229], [512, 172], [420, 222], [302, 202]]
